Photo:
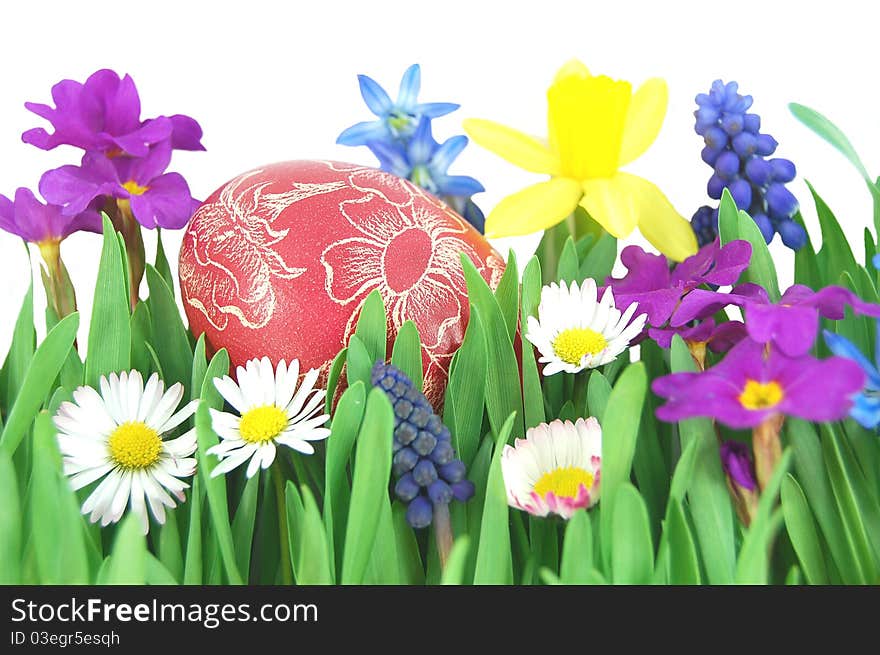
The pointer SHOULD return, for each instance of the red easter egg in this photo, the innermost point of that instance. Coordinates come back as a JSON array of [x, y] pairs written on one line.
[[279, 261]]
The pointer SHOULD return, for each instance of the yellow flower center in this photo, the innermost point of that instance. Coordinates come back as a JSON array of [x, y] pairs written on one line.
[[135, 445], [564, 482], [761, 395], [262, 424], [572, 344], [135, 189]]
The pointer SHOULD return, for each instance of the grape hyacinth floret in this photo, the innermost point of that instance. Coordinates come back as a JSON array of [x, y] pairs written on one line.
[[425, 467], [738, 151]]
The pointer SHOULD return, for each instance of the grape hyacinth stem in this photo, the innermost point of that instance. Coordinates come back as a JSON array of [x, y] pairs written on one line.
[[443, 532], [767, 449]]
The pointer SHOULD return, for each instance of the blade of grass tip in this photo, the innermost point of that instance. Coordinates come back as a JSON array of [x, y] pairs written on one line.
[[41, 374], [369, 485], [333, 378], [507, 295], [199, 367], [533, 395], [128, 557], [407, 353], [169, 334], [192, 571], [295, 517], [802, 532], [314, 559], [243, 524], [10, 523], [454, 572], [372, 327], [359, 362], [632, 557], [412, 572], [465, 394], [577, 550], [494, 564], [157, 574], [24, 343], [109, 343]]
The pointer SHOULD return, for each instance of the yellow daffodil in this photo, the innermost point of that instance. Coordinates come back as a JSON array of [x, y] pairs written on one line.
[[596, 125]]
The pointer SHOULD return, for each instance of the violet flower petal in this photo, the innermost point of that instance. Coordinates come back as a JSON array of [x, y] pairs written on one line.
[[738, 464], [820, 391], [167, 203]]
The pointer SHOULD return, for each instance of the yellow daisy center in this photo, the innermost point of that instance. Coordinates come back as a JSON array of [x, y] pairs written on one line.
[[262, 424], [135, 445], [761, 395], [135, 189], [564, 482], [572, 344]]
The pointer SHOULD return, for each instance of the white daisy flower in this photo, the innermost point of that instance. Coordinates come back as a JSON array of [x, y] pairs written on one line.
[[272, 411], [118, 435], [574, 330], [555, 469]]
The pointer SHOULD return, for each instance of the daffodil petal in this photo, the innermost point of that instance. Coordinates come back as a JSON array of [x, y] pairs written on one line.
[[520, 149], [535, 208], [612, 204], [647, 109], [660, 224], [572, 68]]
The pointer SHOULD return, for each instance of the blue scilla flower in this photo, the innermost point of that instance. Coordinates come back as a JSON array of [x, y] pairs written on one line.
[[397, 120], [737, 151], [426, 469], [425, 162], [866, 405]]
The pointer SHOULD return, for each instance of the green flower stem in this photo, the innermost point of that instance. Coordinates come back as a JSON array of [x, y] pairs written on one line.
[[443, 532], [283, 528], [126, 224], [579, 393]]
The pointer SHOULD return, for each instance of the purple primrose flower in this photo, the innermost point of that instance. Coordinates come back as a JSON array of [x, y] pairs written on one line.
[[156, 198], [791, 324], [35, 222], [737, 463], [103, 115], [755, 382]]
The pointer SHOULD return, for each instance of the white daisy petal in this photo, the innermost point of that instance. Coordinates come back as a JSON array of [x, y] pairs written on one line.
[[231, 392], [234, 459], [166, 406], [254, 464], [180, 416]]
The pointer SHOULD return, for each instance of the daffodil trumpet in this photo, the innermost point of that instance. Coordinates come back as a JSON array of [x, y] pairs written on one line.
[[596, 125]]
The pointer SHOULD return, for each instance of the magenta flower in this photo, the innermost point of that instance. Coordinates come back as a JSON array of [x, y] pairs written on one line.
[[792, 324], [35, 222], [754, 383], [659, 290], [156, 198], [103, 115]]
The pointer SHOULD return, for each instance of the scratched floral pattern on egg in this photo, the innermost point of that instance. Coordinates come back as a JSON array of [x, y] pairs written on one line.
[[280, 260]]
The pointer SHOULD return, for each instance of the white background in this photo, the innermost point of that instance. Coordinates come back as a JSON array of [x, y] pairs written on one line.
[[271, 81]]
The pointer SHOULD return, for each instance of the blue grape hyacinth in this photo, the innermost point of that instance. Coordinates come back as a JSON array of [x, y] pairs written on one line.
[[738, 152], [425, 467], [402, 141]]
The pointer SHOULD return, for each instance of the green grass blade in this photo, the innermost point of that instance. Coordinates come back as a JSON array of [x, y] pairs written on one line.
[[407, 353], [456, 565], [372, 327], [507, 295], [632, 555], [577, 550], [128, 558], [802, 532], [169, 335], [10, 523]]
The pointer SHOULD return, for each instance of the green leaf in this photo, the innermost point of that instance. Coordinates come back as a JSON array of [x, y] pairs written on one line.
[[632, 555], [359, 362], [169, 334], [503, 389], [569, 269], [140, 336], [577, 550], [243, 524], [162, 266], [333, 378], [621, 429], [372, 327], [709, 501], [157, 573], [170, 552], [314, 566], [811, 474], [494, 565], [533, 396], [337, 491], [753, 564], [192, 570], [199, 366], [801, 530], [407, 353], [830, 132], [507, 295], [109, 344], [215, 487], [599, 260], [739, 225], [456, 565], [38, 381], [684, 565], [24, 342], [598, 392], [465, 395], [407, 547], [835, 256], [10, 523], [128, 558], [369, 488]]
